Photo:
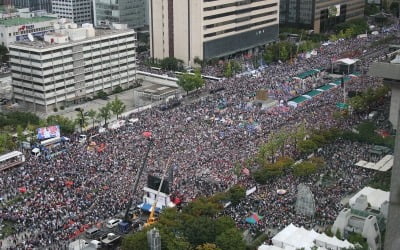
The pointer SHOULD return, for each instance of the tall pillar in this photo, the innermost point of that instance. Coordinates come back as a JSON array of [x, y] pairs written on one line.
[[392, 239]]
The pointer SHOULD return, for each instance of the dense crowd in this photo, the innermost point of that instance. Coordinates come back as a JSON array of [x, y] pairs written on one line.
[[82, 187]]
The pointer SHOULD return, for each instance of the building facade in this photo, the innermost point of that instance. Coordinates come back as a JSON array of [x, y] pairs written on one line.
[[319, 15], [72, 65], [207, 29], [79, 11], [18, 28], [131, 12], [32, 4]]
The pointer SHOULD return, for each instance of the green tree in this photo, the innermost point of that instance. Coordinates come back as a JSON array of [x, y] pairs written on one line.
[[236, 194], [92, 115], [207, 246], [81, 118], [105, 112], [189, 82], [228, 71], [338, 234], [231, 240], [67, 126], [283, 52], [6, 142], [305, 169], [199, 230], [4, 54], [307, 146], [135, 241], [171, 241], [102, 95], [202, 206], [223, 224], [269, 55], [171, 63], [117, 107]]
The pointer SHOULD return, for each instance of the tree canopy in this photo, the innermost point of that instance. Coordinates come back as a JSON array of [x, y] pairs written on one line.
[[190, 82], [195, 227]]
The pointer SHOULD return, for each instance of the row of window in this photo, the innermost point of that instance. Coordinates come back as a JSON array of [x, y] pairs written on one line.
[[240, 20], [240, 3], [244, 27], [68, 50], [241, 11]]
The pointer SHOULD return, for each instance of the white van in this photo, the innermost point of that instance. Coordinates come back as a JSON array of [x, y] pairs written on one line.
[[112, 223]]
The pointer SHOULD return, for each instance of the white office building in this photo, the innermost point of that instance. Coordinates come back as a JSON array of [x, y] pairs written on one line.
[[79, 11], [16, 27], [210, 29], [72, 65], [367, 216]]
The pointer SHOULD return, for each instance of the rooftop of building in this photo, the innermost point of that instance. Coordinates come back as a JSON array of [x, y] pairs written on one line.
[[41, 45], [15, 21]]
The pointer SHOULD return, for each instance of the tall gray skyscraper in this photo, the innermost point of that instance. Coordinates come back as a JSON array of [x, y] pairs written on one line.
[[79, 11], [131, 12]]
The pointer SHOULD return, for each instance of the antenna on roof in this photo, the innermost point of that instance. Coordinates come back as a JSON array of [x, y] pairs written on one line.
[[30, 37]]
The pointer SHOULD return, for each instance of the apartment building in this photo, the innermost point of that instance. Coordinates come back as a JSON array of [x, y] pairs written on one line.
[[131, 12], [17, 28], [72, 65], [79, 11], [206, 29], [319, 15]]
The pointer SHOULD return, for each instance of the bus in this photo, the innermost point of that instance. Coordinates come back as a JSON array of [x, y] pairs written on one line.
[[11, 159]]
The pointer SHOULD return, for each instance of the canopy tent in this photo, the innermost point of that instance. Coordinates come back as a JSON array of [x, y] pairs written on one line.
[[309, 73], [254, 218], [325, 87], [382, 165], [375, 197], [292, 237], [344, 66], [297, 100], [347, 61], [312, 93]]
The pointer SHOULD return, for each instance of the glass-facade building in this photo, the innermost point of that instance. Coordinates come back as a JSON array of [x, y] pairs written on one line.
[[131, 12], [319, 15]]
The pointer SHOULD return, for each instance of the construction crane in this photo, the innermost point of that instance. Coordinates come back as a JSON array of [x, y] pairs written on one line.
[[152, 218], [147, 135]]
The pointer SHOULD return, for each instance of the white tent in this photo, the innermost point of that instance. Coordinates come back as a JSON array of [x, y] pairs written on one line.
[[347, 61], [333, 243], [292, 237], [375, 197]]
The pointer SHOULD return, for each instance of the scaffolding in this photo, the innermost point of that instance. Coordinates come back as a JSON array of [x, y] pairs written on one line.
[[305, 203], [154, 239]]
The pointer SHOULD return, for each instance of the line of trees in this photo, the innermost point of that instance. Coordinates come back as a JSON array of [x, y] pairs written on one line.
[[116, 107], [24, 124], [197, 226]]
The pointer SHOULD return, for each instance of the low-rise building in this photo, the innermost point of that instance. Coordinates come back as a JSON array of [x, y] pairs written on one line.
[[366, 216], [18, 26], [72, 65]]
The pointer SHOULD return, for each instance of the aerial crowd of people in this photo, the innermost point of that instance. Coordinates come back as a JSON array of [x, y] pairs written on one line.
[[82, 187]]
